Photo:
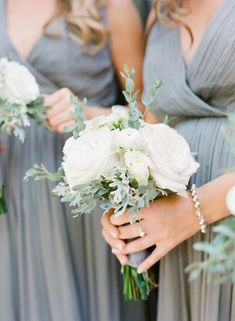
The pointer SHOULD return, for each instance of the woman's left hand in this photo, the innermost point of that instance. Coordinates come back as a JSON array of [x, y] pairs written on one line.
[[59, 115], [166, 223]]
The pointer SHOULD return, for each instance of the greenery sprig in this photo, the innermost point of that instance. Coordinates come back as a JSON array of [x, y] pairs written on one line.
[[131, 96], [15, 117]]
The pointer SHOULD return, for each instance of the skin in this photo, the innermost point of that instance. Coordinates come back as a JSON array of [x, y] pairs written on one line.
[[124, 24], [160, 221]]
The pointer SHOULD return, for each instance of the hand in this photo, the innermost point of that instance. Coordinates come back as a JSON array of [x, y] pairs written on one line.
[[59, 114], [166, 223]]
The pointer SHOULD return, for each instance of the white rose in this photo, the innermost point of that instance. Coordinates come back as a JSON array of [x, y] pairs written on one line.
[[138, 165], [230, 200], [172, 164], [87, 157], [128, 138], [118, 113], [17, 84], [95, 123]]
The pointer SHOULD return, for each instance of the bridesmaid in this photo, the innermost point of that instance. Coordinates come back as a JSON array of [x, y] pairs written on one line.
[[54, 267], [191, 48]]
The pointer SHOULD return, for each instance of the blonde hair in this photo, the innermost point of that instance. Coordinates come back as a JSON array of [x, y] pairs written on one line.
[[85, 22], [170, 12]]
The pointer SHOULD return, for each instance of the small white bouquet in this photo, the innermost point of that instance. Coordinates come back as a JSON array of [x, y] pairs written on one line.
[[121, 163], [20, 100]]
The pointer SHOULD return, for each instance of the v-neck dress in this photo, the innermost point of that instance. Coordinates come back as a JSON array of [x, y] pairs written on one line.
[[199, 95], [54, 267]]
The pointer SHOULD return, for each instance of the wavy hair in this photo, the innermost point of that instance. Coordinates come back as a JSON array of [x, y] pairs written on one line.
[[170, 12], [85, 22]]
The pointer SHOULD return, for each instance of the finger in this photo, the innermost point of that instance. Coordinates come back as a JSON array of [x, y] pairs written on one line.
[[116, 245], [123, 259], [60, 119], [125, 218], [159, 252], [130, 231], [153, 258], [61, 128], [107, 225], [59, 107], [142, 243], [57, 96]]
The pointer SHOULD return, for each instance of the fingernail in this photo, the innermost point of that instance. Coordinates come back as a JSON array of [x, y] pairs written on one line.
[[115, 251]]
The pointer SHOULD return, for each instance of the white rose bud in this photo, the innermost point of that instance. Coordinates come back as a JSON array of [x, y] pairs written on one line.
[[87, 157], [172, 163], [230, 200], [138, 165], [128, 138], [119, 113], [17, 84]]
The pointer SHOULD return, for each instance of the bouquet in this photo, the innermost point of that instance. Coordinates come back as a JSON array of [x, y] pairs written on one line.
[[220, 262], [121, 163], [19, 101]]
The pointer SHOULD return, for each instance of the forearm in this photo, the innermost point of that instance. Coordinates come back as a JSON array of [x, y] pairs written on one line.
[[212, 197]]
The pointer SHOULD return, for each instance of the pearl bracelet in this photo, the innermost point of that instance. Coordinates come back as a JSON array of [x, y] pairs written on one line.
[[197, 206]]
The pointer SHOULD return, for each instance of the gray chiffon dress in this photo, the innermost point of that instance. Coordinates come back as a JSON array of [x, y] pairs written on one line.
[[199, 94], [54, 267]]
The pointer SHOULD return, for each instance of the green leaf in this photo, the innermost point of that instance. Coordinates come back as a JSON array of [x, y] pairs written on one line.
[[78, 116], [224, 230], [130, 85], [144, 100]]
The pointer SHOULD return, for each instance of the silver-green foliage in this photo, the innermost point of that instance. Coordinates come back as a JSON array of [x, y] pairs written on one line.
[[15, 117]]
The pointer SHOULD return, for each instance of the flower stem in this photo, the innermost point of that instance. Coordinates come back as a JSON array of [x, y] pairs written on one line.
[[137, 286]]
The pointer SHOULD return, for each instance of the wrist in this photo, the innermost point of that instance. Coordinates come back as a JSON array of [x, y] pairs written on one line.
[[212, 198], [187, 219]]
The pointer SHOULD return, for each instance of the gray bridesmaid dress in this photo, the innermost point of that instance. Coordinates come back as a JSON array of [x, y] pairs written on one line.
[[54, 267], [199, 94]]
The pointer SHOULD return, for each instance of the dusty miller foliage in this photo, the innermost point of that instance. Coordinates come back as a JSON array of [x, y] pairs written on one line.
[[15, 117], [120, 192], [220, 262]]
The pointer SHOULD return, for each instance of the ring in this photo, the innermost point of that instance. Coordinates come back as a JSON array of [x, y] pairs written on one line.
[[141, 231]]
